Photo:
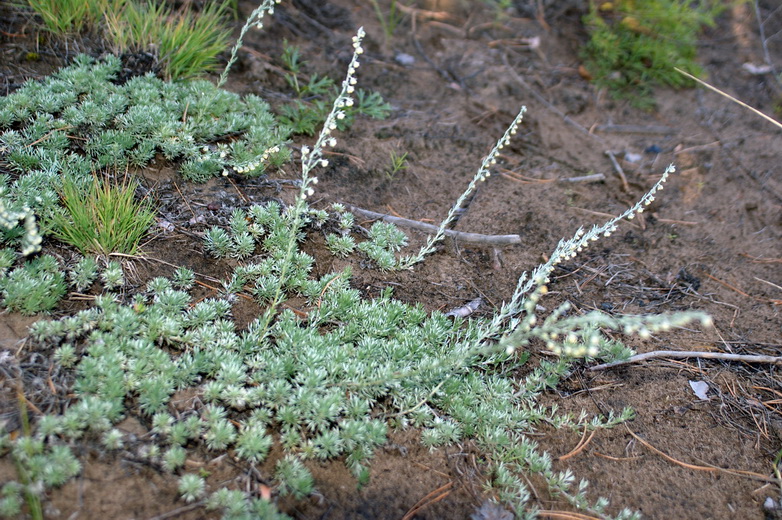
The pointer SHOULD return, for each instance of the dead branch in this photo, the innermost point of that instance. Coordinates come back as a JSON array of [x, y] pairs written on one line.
[[636, 129], [474, 238], [619, 170], [585, 178], [683, 355]]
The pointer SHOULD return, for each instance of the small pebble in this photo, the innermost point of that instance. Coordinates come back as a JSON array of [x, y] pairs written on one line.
[[633, 157], [404, 59]]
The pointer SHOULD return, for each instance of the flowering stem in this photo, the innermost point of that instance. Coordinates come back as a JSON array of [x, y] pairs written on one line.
[[482, 174], [310, 159], [255, 19]]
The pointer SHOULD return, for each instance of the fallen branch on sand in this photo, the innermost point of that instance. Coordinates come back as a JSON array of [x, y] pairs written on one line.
[[682, 355], [474, 238]]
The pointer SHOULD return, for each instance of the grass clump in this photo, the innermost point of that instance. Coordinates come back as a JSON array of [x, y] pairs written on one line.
[[634, 46], [105, 219], [186, 44], [63, 17]]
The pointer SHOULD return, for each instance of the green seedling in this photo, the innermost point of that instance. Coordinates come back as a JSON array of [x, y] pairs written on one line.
[[302, 116], [388, 21], [398, 164]]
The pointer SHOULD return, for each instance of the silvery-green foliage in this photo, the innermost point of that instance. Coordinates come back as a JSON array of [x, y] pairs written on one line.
[[294, 478], [113, 439], [35, 287], [227, 500], [48, 426], [184, 278], [11, 501], [253, 444], [112, 276], [158, 285], [191, 487], [51, 465], [127, 124], [174, 458], [7, 260], [340, 245], [65, 355], [384, 240], [218, 242], [84, 273]]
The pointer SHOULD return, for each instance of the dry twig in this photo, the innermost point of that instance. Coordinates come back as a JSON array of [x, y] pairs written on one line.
[[619, 170], [657, 354], [709, 468], [474, 238], [725, 94], [580, 446], [432, 497], [636, 129]]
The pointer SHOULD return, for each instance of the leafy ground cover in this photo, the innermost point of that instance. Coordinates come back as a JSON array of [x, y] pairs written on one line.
[[405, 446]]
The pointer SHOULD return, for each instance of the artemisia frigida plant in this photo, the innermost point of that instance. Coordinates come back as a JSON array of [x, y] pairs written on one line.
[[328, 383]]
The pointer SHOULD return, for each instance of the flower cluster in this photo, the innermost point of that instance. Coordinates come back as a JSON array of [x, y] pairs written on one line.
[[529, 287], [649, 197], [9, 219], [310, 158], [266, 7], [581, 240], [491, 159], [250, 166]]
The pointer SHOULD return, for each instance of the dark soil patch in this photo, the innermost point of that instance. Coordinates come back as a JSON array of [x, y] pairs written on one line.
[[710, 242]]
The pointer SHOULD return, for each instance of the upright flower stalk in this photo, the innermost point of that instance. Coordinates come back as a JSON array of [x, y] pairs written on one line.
[[482, 174], [530, 288], [254, 20], [314, 157], [310, 159]]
